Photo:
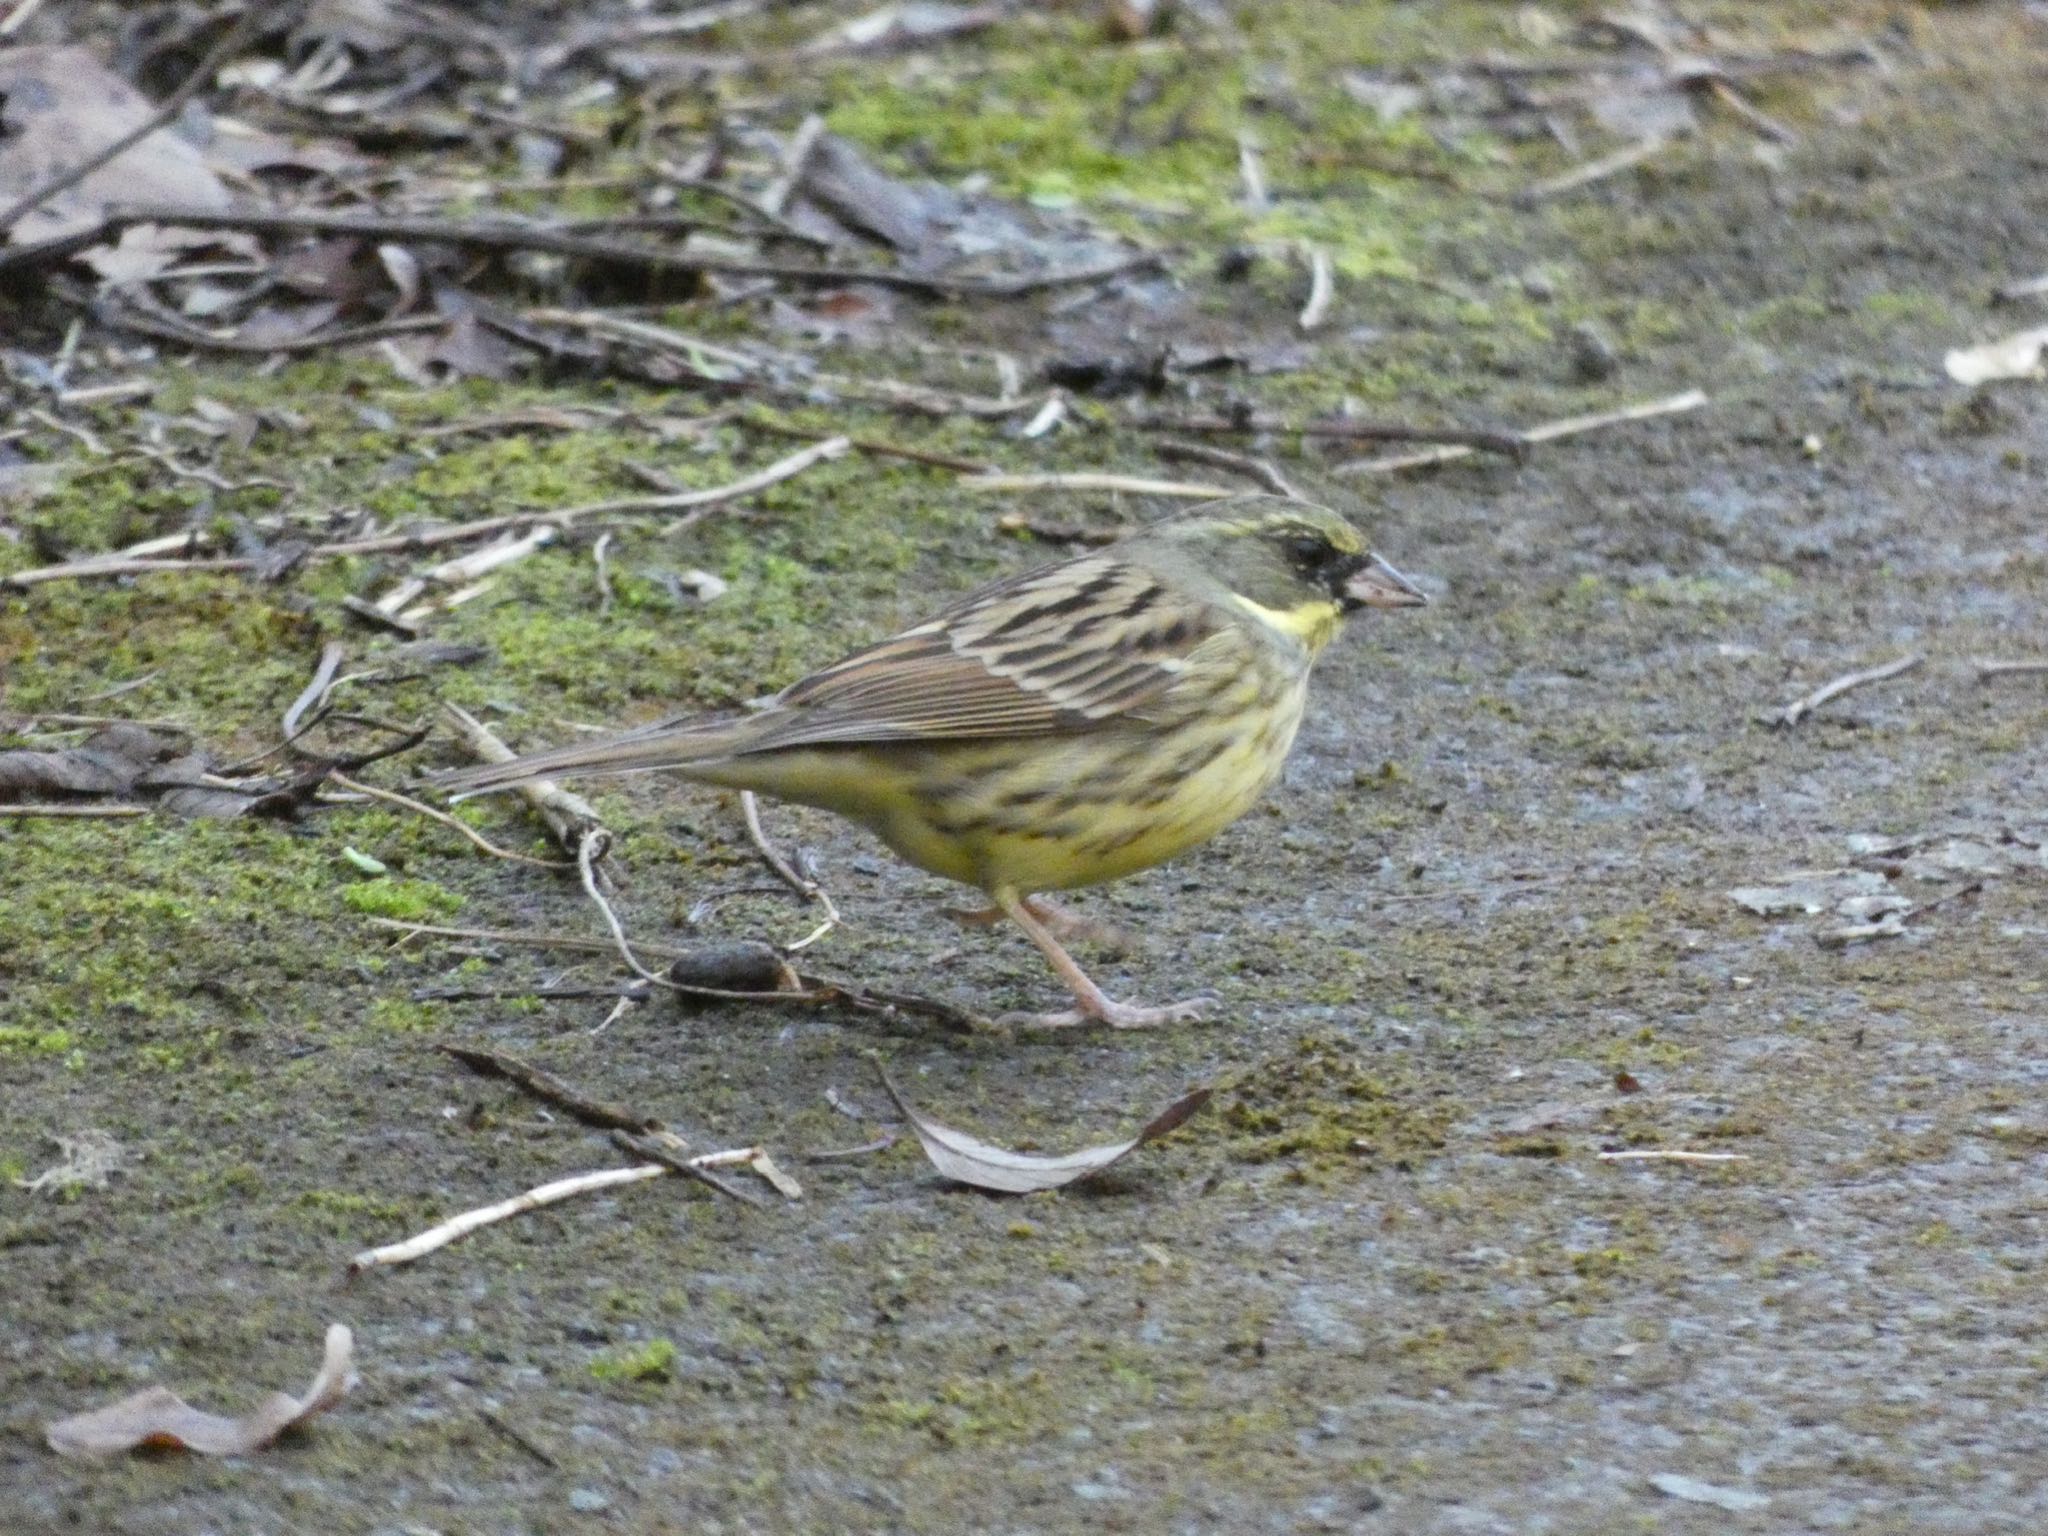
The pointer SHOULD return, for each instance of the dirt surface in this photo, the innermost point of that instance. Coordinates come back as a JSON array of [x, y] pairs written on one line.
[[1480, 934]]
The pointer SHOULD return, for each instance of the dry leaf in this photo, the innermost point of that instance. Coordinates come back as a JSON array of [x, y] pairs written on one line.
[[970, 1161], [2010, 357], [60, 105], [158, 1418], [110, 762]]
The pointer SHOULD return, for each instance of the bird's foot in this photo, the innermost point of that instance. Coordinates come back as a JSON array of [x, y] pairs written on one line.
[[1117, 1015], [1058, 921]]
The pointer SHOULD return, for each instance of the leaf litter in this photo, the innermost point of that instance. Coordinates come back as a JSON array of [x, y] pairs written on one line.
[[979, 1164], [156, 1418]]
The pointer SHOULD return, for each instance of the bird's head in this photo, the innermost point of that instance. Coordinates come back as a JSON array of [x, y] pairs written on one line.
[[1297, 566]]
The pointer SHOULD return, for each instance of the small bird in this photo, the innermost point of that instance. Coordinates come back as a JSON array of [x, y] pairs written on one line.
[[1054, 729]]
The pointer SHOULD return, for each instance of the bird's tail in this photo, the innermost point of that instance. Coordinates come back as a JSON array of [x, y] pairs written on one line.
[[671, 744]]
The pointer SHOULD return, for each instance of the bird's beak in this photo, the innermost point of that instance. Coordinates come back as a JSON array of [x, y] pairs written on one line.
[[1378, 585]]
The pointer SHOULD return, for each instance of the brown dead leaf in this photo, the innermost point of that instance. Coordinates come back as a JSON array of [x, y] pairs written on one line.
[[159, 1419], [110, 762], [59, 105], [968, 1160]]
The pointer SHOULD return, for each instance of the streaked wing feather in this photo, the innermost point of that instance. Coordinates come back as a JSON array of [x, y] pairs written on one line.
[[1052, 651]]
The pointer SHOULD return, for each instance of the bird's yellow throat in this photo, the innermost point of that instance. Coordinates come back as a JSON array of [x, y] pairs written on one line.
[[1314, 624]]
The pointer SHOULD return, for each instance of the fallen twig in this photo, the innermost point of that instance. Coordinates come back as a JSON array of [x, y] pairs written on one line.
[[19, 812], [807, 888], [1513, 445], [1987, 669], [1549, 431], [593, 847], [669, 1153], [1800, 708], [1322, 289], [570, 817], [816, 991], [1671, 1155], [1589, 172], [331, 657], [508, 235], [1266, 474], [419, 1246], [549, 1089], [2029, 288], [1089, 481], [454, 823], [700, 501]]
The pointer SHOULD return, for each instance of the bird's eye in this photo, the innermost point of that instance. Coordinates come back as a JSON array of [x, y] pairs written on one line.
[[1308, 551]]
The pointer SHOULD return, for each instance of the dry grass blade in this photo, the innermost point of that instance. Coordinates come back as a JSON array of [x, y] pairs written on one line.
[[968, 1160]]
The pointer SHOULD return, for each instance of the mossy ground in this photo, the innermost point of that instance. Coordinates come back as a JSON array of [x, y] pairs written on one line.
[[1384, 1284]]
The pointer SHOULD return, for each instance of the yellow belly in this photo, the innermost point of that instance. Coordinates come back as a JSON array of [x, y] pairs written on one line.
[[1047, 814]]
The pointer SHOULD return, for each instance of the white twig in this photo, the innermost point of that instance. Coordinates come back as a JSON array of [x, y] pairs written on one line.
[[569, 816], [550, 1194], [810, 890], [1089, 481], [604, 581], [393, 797], [588, 852], [1591, 171], [1800, 708], [1988, 669], [1672, 1155], [1546, 432], [796, 159], [1252, 172], [461, 1226], [1322, 288], [685, 501]]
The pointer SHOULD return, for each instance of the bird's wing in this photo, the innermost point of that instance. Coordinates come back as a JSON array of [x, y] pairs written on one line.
[[1051, 651]]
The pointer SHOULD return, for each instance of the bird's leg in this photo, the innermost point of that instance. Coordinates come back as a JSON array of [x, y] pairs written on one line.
[[1059, 922], [1092, 1004]]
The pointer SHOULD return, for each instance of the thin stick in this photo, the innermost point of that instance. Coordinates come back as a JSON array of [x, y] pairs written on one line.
[[19, 812], [1086, 481], [1322, 288], [700, 500], [569, 816], [170, 107], [1591, 171], [571, 941], [820, 990], [796, 160], [1250, 423], [102, 565], [656, 1150], [1266, 474], [549, 1089], [1800, 708], [469, 1221], [882, 450], [1252, 172], [604, 580], [331, 657], [588, 852], [810, 890], [1671, 1155], [503, 235], [776, 224], [1987, 669], [1549, 431], [454, 823]]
